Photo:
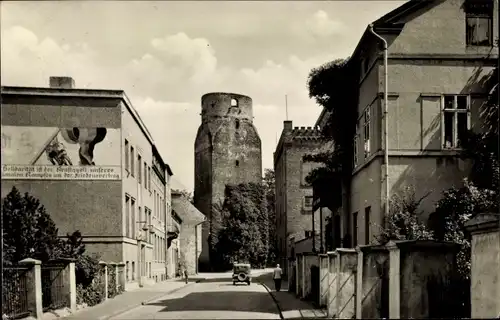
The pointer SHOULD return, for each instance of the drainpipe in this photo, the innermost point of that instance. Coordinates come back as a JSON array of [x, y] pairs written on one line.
[[386, 123]]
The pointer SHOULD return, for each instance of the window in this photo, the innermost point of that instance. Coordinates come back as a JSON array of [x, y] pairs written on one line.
[[237, 124], [354, 229], [139, 168], [149, 224], [132, 208], [145, 175], [132, 162], [366, 128], [149, 178], [479, 23], [367, 224], [126, 155], [133, 270], [234, 103], [127, 216], [308, 202], [455, 120], [237, 163], [154, 204]]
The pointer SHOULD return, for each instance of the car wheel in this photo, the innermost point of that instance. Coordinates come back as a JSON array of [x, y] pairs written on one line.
[[234, 283], [248, 282]]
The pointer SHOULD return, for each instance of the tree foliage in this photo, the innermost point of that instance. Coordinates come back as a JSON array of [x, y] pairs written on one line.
[[333, 85], [405, 221], [269, 181], [243, 236], [29, 232]]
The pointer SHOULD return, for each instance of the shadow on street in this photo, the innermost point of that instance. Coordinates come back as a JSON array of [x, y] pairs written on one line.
[[220, 301]]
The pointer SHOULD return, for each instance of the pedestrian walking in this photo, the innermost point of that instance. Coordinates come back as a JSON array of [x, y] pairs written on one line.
[[277, 277], [186, 275]]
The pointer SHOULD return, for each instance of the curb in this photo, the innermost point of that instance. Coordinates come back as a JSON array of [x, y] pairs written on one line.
[[274, 299], [145, 302]]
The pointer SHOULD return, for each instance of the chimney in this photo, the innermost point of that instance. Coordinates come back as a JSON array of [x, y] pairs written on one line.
[[287, 125], [62, 82]]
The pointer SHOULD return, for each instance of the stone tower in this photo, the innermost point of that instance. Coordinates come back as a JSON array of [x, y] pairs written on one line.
[[227, 151]]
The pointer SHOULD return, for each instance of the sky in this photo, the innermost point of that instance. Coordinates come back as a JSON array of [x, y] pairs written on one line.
[[165, 55]]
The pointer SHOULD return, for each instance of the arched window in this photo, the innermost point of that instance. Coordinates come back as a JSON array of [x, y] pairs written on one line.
[[234, 103]]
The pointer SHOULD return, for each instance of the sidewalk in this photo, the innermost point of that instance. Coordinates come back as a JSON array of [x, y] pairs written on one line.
[[130, 300], [289, 305]]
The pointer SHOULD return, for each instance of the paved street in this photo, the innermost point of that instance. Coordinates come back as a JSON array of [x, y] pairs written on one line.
[[214, 298]]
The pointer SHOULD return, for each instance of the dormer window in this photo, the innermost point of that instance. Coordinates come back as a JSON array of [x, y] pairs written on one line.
[[479, 22], [234, 102]]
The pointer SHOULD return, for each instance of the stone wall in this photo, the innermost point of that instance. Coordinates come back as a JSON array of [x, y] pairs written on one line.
[[227, 151]]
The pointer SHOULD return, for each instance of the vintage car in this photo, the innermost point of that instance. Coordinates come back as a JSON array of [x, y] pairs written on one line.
[[242, 273]]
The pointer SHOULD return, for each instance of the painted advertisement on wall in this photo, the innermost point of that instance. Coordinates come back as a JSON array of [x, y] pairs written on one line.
[[51, 153]]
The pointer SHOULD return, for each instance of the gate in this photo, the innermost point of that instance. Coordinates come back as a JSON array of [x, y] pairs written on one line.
[[53, 287], [315, 287], [375, 302]]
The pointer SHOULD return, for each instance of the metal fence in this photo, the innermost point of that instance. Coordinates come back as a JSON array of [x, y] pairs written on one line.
[[53, 287], [119, 276], [112, 279], [15, 292]]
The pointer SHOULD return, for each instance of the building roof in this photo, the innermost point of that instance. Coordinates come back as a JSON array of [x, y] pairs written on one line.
[[304, 135], [393, 21], [76, 96], [186, 210]]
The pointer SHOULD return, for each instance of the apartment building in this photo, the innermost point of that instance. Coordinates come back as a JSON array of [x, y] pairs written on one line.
[[440, 53], [88, 157], [294, 197]]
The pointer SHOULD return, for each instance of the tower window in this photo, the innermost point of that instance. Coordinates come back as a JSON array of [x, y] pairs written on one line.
[[237, 124], [234, 103], [237, 163]]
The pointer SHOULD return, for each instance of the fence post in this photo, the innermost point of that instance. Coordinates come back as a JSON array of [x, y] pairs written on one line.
[[122, 280], [359, 284], [105, 267], [485, 265], [394, 280], [34, 282]]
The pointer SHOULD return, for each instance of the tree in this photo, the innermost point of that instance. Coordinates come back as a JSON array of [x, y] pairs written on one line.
[[243, 236], [29, 231], [269, 187], [334, 87]]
